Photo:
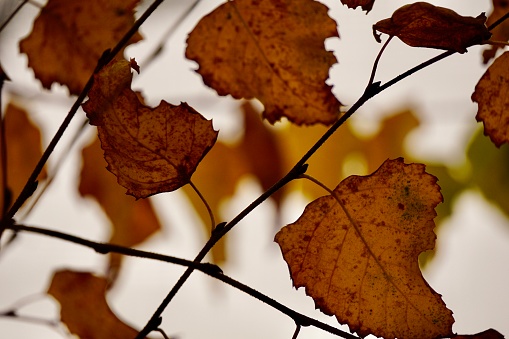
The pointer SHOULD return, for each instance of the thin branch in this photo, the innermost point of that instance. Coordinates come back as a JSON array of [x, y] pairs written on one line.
[[207, 268], [6, 193], [105, 248], [297, 331], [207, 206], [13, 14], [31, 183], [499, 21]]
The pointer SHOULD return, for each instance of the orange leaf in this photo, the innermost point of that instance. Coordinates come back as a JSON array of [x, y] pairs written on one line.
[[69, 37], [488, 334], [24, 150], [132, 221], [366, 5], [493, 103], [501, 32], [84, 308], [150, 150], [269, 50], [424, 25], [356, 253]]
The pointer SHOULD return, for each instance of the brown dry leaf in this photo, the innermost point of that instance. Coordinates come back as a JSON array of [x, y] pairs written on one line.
[[69, 37], [493, 103], [366, 5], [269, 50], [488, 334], [361, 265], [24, 150], [501, 32], [132, 221], [150, 150], [424, 25], [84, 308]]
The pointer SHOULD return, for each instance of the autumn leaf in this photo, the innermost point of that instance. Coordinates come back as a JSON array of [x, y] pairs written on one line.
[[24, 150], [132, 221], [150, 150], [501, 32], [366, 5], [493, 103], [356, 253], [84, 308], [424, 25], [272, 51], [69, 37]]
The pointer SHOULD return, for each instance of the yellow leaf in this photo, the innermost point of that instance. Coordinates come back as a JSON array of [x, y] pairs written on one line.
[[493, 103], [356, 253], [150, 150], [69, 37], [272, 50], [132, 221], [84, 308]]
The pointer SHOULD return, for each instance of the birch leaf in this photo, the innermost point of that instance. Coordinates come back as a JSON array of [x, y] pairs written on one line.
[[356, 253], [150, 150], [271, 50]]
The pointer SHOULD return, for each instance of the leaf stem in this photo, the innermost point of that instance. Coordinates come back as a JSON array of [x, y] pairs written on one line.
[[31, 183], [297, 331], [375, 64], [206, 268], [207, 206]]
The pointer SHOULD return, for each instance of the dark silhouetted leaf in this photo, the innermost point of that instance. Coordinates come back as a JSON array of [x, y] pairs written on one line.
[[366, 5], [424, 25]]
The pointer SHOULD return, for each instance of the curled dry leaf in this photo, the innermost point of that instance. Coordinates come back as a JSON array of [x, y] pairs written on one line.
[[356, 253], [271, 50], [150, 150], [133, 221], [501, 32], [24, 149], [366, 5], [424, 25], [69, 37], [84, 308], [493, 103]]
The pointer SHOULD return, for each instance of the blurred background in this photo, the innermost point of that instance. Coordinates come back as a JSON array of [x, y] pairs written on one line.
[[468, 269]]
